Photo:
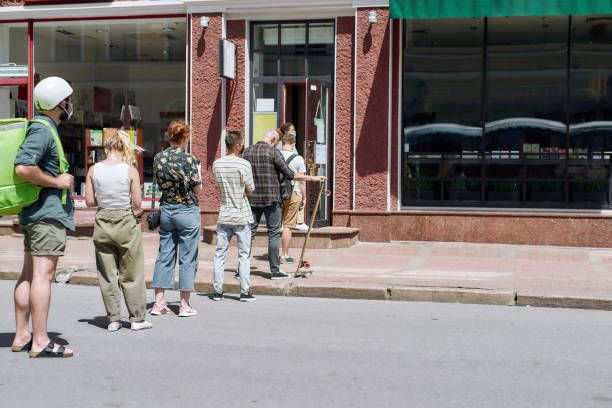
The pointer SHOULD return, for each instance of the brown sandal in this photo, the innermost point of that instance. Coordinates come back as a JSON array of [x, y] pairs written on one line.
[[25, 347], [48, 352]]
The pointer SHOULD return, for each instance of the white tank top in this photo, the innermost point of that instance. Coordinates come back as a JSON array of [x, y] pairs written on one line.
[[112, 186]]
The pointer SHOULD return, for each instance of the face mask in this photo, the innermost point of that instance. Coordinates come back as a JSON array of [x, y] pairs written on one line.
[[293, 134], [67, 114]]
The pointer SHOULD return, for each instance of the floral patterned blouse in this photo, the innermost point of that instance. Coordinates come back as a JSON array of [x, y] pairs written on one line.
[[176, 173]]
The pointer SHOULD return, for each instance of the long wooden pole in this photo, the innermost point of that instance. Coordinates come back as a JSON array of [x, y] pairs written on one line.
[[312, 219]]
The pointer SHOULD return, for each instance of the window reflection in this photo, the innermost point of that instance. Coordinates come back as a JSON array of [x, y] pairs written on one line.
[[590, 136], [532, 155], [293, 49], [265, 49], [125, 74], [441, 109], [13, 65]]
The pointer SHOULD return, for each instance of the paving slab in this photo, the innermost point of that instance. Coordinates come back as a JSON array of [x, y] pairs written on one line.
[[414, 271]]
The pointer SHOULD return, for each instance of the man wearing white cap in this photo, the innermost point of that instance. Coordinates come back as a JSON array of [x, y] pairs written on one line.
[[44, 223]]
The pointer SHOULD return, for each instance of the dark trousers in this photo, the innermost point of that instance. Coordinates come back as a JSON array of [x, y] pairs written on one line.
[[273, 214]]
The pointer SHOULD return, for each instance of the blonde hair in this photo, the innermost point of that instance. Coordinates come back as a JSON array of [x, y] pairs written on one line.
[[122, 142]]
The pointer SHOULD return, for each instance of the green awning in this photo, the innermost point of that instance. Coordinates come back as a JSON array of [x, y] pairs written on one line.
[[495, 8]]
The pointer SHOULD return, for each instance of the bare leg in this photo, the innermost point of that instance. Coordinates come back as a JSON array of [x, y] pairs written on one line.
[[285, 241], [159, 296], [185, 295], [22, 303], [43, 268]]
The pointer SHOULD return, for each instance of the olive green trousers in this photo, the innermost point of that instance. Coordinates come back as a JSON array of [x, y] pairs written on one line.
[[120, 261]]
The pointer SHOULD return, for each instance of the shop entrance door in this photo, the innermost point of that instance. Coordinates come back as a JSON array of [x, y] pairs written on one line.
[[319, 142], [308, 105]]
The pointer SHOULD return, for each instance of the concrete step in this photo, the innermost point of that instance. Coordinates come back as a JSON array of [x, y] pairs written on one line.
[[320, 238], [6, 224], [83, 220]]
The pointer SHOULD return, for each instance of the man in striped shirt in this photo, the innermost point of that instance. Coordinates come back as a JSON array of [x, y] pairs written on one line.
[[235, 181]]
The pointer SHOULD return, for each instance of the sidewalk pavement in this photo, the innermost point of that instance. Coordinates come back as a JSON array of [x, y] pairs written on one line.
[[416, 271]]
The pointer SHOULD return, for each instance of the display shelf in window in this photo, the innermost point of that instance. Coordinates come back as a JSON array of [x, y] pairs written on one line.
[[94, 151]]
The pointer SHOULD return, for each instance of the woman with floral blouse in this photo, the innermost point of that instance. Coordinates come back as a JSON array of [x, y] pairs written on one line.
[[178, 176]]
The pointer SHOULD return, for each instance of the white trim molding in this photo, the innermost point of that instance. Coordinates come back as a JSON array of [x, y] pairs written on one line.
[[233, 9], [247, 83], [400, 131], [354, 90], [389, 114], [111, 9]]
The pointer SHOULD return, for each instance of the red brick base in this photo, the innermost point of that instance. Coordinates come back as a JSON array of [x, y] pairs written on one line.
[[578, 230]]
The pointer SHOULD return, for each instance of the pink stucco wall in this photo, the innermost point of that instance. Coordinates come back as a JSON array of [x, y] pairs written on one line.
[[206, 103], [372, 110], [234, 98], [343, 142]]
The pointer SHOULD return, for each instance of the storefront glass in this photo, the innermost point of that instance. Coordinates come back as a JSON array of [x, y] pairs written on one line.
[[286, 53], [590, 136], [513, 114], [442, 89], [13, 66], [125, 74]]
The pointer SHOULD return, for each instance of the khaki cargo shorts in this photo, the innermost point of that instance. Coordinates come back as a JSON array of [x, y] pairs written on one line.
[[291, 208], [44, 238]]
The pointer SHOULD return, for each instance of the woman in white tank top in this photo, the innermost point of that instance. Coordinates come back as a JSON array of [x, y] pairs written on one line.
[[113, 186]]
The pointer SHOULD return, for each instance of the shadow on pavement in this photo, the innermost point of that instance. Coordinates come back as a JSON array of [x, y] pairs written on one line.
[[101, 322], [225, 296], [252, 273], [6, 339]]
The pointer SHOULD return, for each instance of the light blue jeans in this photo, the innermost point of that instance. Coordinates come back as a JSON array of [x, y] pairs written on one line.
[[179, 227], [224, 236]]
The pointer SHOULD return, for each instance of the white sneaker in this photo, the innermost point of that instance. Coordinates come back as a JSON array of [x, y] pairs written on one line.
[[301, 227], [141, 325], [113, 326]]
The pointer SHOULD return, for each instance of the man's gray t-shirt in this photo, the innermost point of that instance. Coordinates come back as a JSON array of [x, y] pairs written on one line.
[[39, 149]]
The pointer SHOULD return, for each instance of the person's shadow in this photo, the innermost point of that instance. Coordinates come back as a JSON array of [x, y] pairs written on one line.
[[101, 322], [6, 339]]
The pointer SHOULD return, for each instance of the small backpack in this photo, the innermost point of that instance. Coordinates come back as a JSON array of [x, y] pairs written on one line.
[[286, 186], [15, 192]]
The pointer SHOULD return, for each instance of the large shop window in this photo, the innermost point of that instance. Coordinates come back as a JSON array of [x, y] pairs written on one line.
[[13, 67], [507, 112], [125, 74]]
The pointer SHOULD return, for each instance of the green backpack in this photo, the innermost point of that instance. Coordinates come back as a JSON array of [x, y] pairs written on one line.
[[15, 192]]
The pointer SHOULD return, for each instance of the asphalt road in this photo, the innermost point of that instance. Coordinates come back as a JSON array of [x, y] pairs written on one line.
[[302, 352]]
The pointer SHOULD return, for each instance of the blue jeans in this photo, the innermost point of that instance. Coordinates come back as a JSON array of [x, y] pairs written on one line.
[[224, 236], [273, 214], [179, 226]]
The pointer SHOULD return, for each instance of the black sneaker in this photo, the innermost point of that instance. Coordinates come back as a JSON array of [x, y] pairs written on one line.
[[237, 276], [279, 275], [247, 298], [217, 296]]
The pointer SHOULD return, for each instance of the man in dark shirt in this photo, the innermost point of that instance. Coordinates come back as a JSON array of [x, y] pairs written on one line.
[[267, 162], [44, 223]]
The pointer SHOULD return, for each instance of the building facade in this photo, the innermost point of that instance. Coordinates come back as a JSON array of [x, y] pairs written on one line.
[[467, 121]]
